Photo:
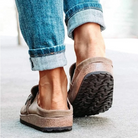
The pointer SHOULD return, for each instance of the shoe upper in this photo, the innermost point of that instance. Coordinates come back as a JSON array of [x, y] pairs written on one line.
[[31, 107], [87, 66]]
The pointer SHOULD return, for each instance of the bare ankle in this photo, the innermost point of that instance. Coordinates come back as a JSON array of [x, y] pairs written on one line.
[[88, 42], [53, 89]]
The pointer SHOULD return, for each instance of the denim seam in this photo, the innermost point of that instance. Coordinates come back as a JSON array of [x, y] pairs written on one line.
[[78, 10], [50, 47], [49, 54]]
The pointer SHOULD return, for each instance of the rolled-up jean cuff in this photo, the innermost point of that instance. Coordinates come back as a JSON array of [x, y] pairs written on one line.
[[48, 62], [85, 16]]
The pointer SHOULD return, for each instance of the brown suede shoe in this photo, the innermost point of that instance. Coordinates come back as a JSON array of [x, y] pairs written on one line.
[[45, 120], [91, 87]]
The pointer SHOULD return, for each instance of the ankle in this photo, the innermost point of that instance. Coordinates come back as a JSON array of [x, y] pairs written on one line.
[[53, 89], [89, 51], [88, 42]]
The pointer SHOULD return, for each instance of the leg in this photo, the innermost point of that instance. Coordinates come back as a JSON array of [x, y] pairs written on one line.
[[91, 86], [85, 28], [41, 23]]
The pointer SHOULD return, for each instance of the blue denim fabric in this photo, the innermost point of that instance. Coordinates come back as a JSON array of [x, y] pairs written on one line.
[[41, 23], [78, 12], [71, 7]]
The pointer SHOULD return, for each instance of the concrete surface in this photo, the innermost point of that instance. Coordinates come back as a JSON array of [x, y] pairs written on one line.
[[121, 121]]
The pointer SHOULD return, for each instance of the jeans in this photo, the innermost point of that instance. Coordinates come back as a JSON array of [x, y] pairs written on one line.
[[42, 26]]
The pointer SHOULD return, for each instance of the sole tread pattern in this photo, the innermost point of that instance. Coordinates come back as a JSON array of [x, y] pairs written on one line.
[[95, 94]]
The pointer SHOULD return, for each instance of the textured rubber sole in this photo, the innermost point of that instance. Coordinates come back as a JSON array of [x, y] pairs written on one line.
[[95, 94], [50, 129]]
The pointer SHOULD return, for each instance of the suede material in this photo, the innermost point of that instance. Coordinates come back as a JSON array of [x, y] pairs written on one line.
[[85, 67], [31, 107]]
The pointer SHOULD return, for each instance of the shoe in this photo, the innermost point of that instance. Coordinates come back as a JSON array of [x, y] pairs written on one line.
[[45, 120], [91, 87]]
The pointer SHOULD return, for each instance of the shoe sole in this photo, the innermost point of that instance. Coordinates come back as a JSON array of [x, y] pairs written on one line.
[[95, 94], [47, 124]]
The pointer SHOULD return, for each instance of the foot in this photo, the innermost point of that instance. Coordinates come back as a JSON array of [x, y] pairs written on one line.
[[45, 120], [91, 89], [53, 89]]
